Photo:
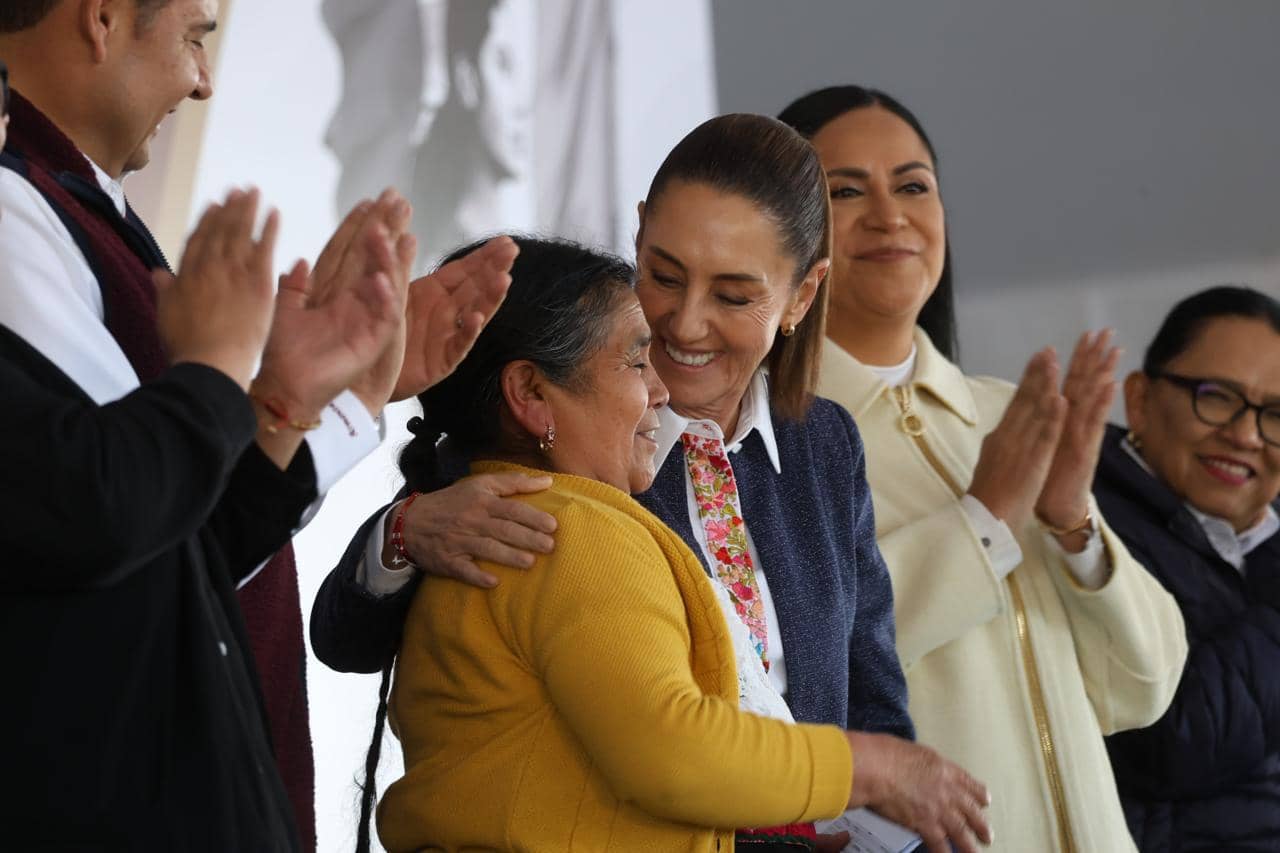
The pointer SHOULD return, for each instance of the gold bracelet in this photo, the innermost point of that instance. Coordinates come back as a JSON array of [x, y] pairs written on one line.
[[1085, 524]]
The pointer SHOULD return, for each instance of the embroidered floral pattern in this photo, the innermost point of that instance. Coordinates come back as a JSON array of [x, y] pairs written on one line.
[[716, 493]]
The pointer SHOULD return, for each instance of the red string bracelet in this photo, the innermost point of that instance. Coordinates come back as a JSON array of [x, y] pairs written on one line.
[[277, 410], [401, 559]]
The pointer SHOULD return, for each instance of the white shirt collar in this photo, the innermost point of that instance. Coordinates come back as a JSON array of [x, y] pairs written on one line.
[[110, 186], [1231, 546], [753, 415]]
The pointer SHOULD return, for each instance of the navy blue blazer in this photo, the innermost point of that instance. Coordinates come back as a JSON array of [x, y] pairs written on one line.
[[814, 530]]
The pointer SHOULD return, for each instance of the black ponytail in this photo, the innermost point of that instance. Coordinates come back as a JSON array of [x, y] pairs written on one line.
[[369, 790]]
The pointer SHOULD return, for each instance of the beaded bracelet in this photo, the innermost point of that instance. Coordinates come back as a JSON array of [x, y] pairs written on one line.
[[401, 558], [277, 410]]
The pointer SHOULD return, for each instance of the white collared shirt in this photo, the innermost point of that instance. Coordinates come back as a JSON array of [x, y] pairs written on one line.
[[1229, 545], [753, 416], [50, 297]]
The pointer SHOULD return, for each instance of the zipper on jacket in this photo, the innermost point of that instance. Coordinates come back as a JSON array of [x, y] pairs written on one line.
[[913, 425]]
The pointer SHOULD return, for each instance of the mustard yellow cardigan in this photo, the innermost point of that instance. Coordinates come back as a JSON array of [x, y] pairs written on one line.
[[590, 703]]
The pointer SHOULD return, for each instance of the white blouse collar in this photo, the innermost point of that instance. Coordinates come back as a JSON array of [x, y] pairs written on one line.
[[753, 415]]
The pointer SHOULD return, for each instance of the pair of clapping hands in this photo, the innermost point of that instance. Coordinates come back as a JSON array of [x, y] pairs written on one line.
[[354, 321], [1040, 458]]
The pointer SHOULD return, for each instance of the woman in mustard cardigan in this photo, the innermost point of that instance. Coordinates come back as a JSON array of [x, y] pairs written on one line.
[[592, 703]]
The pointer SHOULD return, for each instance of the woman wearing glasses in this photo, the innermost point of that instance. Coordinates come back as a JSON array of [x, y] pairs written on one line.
[[1192, 490]]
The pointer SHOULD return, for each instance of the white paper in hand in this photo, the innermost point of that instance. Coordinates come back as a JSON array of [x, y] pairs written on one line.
[[871, 833]]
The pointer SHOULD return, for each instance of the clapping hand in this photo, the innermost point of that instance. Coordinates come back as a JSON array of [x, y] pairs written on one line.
[[352, 253], [218, 309], [332, 326], [447, 310], [1089, 388], [1016, 456]]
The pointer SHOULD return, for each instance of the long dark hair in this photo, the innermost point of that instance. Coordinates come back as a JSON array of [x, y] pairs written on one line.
[[814, 111], [768, 163], [557, 314], [1188, 318]]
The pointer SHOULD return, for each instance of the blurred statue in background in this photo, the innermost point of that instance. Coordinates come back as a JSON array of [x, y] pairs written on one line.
[[437, 100]]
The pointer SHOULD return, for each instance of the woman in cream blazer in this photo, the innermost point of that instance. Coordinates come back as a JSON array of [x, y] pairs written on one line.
[[1025, 629]]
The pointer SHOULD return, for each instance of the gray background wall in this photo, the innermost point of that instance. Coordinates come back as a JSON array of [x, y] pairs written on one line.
[[1098, 160]]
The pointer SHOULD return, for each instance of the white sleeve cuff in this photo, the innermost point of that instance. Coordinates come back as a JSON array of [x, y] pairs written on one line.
[[1090, 567], [347, 434], [374, 575], [1002, 549]]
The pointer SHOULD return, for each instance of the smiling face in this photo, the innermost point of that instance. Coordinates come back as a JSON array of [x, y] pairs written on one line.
[[1225, 471], [158, 62], [889, 224], [606, 426], [716, 286]]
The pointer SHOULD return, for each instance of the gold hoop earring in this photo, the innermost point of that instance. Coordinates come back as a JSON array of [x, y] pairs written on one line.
[[1133, 439], [548, 440], [788, 331]]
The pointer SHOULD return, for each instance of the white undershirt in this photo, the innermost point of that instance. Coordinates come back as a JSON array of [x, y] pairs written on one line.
[[50, 297]]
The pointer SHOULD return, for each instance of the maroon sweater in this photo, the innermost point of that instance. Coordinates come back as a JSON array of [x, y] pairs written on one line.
[[121, 252]]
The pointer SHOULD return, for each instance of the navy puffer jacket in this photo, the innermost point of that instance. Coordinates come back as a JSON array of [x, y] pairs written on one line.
[[1206, 776]]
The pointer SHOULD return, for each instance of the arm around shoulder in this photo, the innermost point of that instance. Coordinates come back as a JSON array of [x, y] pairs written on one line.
[[352, 628]]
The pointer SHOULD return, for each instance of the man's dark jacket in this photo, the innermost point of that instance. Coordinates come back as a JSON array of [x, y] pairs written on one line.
[[135, 717], [134, 720]]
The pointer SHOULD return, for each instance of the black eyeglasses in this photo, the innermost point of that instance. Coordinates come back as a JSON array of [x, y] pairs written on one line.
[[1218, 404]]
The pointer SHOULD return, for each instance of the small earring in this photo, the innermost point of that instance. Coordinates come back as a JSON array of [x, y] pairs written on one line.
[[548, 440], [1133, 439], [789, 330]]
